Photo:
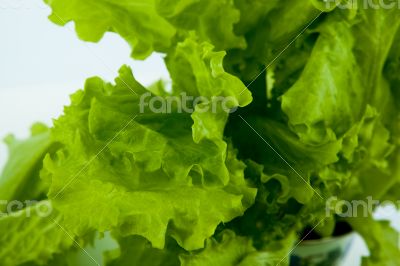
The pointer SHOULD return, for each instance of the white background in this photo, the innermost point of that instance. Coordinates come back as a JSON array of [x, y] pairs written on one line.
[[41, 64]]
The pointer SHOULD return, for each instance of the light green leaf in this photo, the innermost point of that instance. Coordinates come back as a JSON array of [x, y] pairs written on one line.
[[32, 235], [381, 239], [149, 179], [198, 70], [137, 251], [228, 249], [20, 177], [136, 21]]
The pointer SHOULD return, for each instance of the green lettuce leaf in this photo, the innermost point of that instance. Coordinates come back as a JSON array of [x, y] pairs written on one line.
[[136, 250], [20, 177], [258, 10], [270, 28], [391, 68], [240, 172], [198, 70], [340, 78], [283, 155], [136, 21], [329, 87], [231, 250], [149, 179], [226, 248], [151, 25], [32, 235], [381, 238], [213, 20]]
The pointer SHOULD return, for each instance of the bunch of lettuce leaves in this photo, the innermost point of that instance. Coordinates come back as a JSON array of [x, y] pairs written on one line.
[[314, 113]]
